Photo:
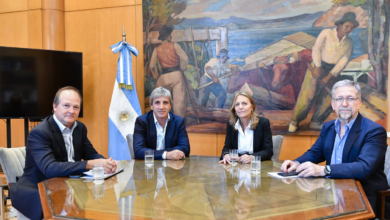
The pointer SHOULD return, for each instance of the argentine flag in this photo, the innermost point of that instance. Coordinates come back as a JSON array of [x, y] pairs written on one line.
[[124, 107]]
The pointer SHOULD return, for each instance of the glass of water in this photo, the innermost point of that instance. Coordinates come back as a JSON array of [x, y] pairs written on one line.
[[149, 158], [255, 164], [233, 156], [98, 173]]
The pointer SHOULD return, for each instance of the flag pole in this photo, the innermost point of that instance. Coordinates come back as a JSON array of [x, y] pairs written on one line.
[[124, 35]]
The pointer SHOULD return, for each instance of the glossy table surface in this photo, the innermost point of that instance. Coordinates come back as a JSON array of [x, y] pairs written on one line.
[[200, 188]]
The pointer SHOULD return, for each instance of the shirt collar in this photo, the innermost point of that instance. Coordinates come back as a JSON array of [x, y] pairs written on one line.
[[337, 37], [350, 124], [62, 126], [238, 126], [155, 119]]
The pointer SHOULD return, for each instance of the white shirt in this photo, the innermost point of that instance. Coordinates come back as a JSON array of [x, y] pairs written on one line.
[[161, 135], [219, 69], [245, 140], [68, 138], [328, 48]]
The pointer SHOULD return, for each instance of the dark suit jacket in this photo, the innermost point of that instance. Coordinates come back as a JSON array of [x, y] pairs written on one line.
[[145, 136], [363, 155], [262, 140], [46, 158]]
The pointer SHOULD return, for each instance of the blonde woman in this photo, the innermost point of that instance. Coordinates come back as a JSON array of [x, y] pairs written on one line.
[[246, 131]]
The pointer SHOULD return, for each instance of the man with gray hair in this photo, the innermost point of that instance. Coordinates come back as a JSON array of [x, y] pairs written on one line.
[[160, 130], [353, 146]]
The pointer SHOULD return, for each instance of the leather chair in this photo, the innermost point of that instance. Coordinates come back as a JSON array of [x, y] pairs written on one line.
[[12, 161], [384, 193], [277, 141], [129, 138]]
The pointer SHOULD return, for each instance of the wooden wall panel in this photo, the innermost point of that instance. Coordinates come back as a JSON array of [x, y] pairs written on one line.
[[53, 30], [84, 38], [93, 32], [76, 5], [203, 144], [139, 74], [13, 6], [34, 4], [221, 143], [35, 29], [53, 4], [14, 29]]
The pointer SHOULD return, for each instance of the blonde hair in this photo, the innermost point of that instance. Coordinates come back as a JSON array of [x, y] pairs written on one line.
[[234, 117]]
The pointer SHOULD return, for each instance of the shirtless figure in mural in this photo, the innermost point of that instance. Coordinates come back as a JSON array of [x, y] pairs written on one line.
[[173, 61]]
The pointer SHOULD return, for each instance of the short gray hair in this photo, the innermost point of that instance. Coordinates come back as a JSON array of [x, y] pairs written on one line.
[[160, 92], [347, 82]]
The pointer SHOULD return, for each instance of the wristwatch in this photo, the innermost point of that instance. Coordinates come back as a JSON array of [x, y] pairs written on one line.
[[327, 170]]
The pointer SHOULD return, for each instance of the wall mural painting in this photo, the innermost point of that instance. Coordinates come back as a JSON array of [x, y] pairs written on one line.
[[204, 51]]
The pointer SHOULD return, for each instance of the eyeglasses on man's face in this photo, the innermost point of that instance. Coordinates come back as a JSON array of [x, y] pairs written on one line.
[[349, 100]]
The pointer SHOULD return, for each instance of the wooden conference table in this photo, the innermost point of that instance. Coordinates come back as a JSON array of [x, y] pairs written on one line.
[[199, 188]]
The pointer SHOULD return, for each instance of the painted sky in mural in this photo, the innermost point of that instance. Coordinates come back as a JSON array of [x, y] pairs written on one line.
[[251, 9]]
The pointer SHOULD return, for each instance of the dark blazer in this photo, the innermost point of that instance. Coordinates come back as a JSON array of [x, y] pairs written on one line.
[[262, 140], [46, 158], [363, 155], [145, 136]]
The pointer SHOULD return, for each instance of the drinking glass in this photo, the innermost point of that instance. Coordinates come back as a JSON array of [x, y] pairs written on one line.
[[256, 164], [98, 173], [233, 156], [149, 158]]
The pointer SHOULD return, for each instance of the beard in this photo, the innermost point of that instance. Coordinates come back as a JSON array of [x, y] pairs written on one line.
[[346, 114]]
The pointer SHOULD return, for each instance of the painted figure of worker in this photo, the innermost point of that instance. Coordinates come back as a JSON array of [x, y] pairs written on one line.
[[173, 61], [331, 54], [214, 69]]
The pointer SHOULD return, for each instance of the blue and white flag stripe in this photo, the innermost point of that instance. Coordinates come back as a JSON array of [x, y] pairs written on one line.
[[124, 62]]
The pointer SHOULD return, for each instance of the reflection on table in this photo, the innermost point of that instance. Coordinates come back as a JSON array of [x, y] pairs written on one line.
[[200, 188]]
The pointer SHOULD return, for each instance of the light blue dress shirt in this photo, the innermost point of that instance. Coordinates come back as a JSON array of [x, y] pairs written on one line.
[[337, 155], [161, 135], [68, 138]]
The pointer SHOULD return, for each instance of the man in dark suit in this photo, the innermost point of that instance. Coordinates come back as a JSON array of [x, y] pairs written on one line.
[[161, 130], [55, 148], [353, 146]]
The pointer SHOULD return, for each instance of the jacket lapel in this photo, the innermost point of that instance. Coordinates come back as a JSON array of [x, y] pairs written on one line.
[[256, 141], [168, 135], [58, 136], [153, 132], [329, 144], [352, 136], [76, 146]]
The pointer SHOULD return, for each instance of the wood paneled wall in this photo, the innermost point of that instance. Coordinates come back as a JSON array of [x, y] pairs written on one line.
[[91, 27]]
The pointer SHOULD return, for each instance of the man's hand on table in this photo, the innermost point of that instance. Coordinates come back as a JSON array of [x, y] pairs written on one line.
[[306, 169], [109, 165], [310, 169], [289, 166], [175, 155]]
